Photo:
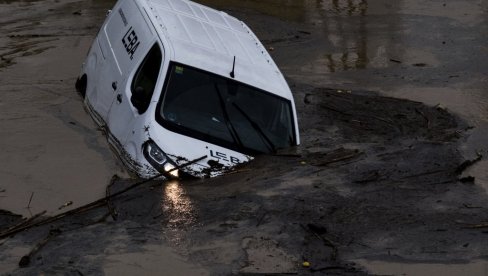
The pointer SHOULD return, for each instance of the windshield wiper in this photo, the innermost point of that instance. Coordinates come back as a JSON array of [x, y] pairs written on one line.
[[258, 129], [228, 123]]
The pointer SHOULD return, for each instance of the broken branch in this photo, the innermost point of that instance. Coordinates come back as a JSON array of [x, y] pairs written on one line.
[[110, 207], [25, 221], [25, 260]]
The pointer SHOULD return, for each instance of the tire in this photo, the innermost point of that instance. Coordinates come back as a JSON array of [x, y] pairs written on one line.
[[80, 86]]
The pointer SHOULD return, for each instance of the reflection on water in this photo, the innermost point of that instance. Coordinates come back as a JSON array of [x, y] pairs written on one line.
[[350, 6], [178, 211], [478, 267], [289, 10], [348, 36], [342, 21]]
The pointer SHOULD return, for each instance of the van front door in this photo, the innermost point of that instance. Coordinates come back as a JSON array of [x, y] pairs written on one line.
[[134, 99]]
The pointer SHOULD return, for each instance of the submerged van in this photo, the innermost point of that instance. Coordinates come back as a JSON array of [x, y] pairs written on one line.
[[183, 89]]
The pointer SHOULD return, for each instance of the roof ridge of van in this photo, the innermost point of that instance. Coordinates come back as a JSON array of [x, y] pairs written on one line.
[[201, 35], [154, 5]]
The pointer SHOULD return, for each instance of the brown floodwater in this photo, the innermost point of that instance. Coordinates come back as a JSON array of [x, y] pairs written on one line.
[[52, 153]]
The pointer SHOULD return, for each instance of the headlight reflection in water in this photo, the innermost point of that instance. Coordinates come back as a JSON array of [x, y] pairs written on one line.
[[178, 211]]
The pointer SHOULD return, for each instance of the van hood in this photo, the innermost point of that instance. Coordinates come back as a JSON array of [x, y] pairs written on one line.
[[197, 158]]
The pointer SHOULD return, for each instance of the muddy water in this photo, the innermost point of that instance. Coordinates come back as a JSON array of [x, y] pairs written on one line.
[[434, 52], [52, 154], [429, 51], [477, 267]]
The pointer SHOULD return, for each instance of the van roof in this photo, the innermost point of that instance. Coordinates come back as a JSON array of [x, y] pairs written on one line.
[[208, 39]]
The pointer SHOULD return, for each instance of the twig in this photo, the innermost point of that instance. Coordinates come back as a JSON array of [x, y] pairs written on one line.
[[24, 222], [66, 204], [110, 207], [471, 206], [30, 200], [477, 226], [81, 209], [25, 260]]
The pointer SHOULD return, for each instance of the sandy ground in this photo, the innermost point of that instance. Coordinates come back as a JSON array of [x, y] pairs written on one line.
[[375, 185]]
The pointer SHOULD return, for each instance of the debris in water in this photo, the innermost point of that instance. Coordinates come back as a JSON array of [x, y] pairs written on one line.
[[25, 260], [30, 200], [65, 205], [110, 206], [419, 64], [469, 206]]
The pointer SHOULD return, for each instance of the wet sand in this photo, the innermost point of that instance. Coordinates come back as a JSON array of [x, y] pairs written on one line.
[[396, 201]]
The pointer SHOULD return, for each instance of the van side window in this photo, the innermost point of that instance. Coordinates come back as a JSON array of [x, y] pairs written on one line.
[[142, 87]]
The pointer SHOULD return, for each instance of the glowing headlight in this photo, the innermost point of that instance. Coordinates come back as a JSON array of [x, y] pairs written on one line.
[[157, 158], [169, 168], [156, 154]]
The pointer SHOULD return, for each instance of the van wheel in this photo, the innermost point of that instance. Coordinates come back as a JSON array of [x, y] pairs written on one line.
[[81, 85]]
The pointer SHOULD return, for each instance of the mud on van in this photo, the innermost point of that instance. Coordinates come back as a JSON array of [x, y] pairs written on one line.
[[184, 89]]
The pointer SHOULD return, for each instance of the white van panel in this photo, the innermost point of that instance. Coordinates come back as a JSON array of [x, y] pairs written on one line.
[[126, 33], [229, 38]]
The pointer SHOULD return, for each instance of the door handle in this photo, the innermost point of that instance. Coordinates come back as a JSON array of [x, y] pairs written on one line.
[[119, 98], [114, 85]]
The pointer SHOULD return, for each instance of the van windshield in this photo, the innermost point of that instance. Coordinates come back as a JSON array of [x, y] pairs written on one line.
[[222, 111]]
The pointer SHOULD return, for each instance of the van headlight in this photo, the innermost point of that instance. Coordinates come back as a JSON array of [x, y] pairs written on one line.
[[158, 159]]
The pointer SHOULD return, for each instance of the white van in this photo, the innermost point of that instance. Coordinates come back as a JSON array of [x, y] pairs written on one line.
[[183, 89]]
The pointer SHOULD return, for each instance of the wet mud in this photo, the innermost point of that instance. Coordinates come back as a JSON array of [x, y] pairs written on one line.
[[380, 185]]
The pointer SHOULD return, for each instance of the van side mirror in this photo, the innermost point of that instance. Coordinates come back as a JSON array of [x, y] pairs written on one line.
[[139, 99]]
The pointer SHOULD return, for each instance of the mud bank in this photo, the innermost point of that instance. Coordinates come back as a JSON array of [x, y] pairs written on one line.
[[378, 183]]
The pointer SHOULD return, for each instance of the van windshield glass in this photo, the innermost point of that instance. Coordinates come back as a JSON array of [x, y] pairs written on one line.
[[225, 112]]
